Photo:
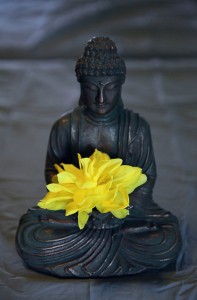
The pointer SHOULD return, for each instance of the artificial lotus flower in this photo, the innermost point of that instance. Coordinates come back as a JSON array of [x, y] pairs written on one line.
[[99, 182]]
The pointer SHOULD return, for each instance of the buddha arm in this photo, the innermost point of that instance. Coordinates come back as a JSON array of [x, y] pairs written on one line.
[[58, 149], [141, 155]]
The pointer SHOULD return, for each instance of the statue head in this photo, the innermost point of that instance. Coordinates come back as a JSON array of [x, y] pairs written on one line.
[[101, 73]]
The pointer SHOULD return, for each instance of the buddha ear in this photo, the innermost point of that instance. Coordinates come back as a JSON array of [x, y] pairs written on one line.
[[120, 103], [81, 99]]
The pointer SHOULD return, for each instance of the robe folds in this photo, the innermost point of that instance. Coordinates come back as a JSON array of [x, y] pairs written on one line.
[[148, 238]]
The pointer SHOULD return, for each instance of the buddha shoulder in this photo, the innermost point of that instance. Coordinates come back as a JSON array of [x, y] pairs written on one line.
[[136, 123], [63, 123]]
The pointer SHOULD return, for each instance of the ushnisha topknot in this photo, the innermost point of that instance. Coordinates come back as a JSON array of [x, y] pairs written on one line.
[[100, 58]]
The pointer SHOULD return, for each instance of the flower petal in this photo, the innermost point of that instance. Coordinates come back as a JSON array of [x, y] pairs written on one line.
[[71, 208], [105, 169], [83, 199], [53, 203], [58, 168], [120, 214], [141, 180], [129, 177], [55, 187], [66, 177], [82, 219], [71, 169], [98, 155]]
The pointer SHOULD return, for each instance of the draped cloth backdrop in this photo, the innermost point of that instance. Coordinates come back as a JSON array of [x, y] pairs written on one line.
[[39, 44]]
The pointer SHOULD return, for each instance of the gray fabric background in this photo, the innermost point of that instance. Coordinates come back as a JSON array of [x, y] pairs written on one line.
[[39, 44]]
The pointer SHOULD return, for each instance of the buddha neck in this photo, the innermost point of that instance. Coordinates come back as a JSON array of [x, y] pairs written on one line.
[[107, 119]]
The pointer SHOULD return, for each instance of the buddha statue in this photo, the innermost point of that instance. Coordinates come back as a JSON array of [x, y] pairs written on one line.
[[148, 238]]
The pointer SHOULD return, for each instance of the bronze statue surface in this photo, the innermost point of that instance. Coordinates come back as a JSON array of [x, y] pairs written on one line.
[[148, 238]]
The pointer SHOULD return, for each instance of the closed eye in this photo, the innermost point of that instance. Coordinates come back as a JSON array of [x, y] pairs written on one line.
[[112, 86], [90, 86]]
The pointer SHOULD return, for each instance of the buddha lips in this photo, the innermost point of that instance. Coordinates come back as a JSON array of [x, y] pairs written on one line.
[[99, 182]]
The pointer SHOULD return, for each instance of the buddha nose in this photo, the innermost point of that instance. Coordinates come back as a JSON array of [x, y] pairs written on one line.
[[100, 97]]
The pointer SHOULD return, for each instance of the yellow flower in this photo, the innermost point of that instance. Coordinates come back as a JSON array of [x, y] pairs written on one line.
[[99, 182]]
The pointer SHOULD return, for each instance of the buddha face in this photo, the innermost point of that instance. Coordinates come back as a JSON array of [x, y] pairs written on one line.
[[101, 93]]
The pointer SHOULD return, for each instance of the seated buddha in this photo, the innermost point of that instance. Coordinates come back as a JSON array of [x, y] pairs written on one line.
[[148, 237]]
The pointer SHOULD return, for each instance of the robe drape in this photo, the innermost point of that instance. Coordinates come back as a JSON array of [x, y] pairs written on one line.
[[148, 238]]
